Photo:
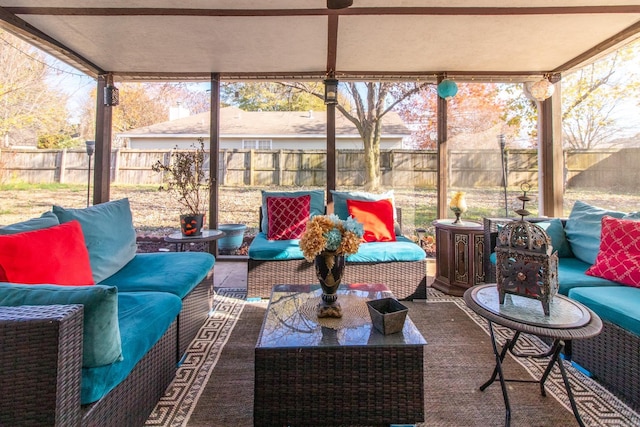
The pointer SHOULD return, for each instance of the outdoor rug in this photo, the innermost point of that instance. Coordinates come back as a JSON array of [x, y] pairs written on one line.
[[214, 384]]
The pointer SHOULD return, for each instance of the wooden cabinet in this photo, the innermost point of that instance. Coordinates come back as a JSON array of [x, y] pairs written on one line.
[[459, 256]]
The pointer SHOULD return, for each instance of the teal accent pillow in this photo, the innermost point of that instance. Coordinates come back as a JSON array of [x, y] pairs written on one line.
[[340, 200], [46, 220], [108, 232], [555, 230], [316, 204], [101, 332], [583, 229], [145, 318]]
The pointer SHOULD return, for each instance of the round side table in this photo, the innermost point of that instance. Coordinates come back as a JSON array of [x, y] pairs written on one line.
[[207, 236]]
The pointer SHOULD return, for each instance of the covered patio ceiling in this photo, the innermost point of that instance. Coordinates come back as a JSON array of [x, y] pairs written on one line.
[[511, 40]]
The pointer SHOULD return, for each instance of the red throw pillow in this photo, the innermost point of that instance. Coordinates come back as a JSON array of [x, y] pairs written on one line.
[[377, 218], [287, 217], [619, 256], [56, 255]]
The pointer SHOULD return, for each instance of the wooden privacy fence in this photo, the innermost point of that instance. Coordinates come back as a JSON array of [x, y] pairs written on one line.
[[266, 168]]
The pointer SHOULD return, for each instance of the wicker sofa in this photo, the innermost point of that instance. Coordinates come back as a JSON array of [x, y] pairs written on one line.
[[405, 279], [612, 357], [161, 300]]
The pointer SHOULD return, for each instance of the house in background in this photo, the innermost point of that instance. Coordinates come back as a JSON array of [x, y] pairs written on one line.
[[268, 130]]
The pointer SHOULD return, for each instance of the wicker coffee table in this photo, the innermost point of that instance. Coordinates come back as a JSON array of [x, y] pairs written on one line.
[[335, 371]]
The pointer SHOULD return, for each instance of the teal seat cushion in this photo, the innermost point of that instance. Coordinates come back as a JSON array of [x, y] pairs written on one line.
[[615, 304], [100, 334], [403, 249], [108, 233], [263, 249], [571, 274], [316, 203], [46, 220], [583, 229], [143, 317], [174, 272]]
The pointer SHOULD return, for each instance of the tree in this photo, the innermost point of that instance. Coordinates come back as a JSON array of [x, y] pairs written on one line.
[[29, 106], [592, 100], [365, 104], [271, 97], [593, 95], [475, 108]]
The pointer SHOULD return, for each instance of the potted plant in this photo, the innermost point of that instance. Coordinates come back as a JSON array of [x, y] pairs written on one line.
[[188, 181]]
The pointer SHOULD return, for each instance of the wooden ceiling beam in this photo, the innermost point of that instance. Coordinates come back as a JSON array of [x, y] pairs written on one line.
[[50, 45], [391, 10]]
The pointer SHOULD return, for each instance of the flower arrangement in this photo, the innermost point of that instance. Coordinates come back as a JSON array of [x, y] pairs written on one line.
[[332, 234]]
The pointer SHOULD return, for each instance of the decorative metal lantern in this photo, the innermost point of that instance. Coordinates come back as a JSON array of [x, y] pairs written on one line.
[[526, 264], [330, 91]]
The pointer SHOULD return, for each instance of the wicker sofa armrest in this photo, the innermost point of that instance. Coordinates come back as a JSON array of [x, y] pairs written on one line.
[[40, 365]]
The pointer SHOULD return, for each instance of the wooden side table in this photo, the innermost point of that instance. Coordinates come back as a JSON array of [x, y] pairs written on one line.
[[459, 256]]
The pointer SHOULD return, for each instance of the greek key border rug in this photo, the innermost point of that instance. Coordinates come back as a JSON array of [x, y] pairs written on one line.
[[596, 405], [181, 397]]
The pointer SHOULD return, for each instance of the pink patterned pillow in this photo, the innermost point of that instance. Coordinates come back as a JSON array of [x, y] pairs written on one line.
[[287, 217], [619, 256]]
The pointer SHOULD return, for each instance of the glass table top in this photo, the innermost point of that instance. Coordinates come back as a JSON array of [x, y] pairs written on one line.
[[290, 320], [563, 312]]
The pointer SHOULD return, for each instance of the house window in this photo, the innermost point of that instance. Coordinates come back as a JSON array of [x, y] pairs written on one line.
[[258, 144]]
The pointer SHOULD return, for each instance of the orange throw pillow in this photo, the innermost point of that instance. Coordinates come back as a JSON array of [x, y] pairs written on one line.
[[56, 255], [376, 217]]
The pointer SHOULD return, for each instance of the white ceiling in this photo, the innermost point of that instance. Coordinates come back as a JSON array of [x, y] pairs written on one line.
[[166, 39]]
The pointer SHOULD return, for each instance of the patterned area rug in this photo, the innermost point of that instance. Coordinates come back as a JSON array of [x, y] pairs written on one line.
[[179, 401], [596, 406]]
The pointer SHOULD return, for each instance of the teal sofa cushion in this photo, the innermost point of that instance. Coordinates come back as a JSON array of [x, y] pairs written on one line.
[[316, 203], [100, 334], [143, 317], [263, 249], [403, 249], [340, 200], [583, 229], [615, 304], [174, 272], [46, 220], [555, 230], [108, 232]]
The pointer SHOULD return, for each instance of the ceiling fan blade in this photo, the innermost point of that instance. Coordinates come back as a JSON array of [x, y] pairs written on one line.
[[339, 4]]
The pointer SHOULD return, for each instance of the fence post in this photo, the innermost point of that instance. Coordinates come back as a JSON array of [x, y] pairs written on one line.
[[251, 167], [116, 165], [62, 165], [280, 167]]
